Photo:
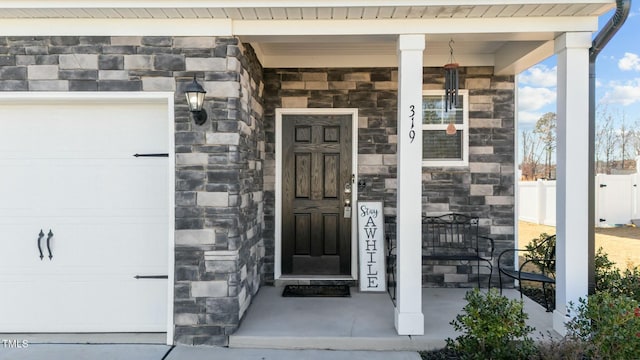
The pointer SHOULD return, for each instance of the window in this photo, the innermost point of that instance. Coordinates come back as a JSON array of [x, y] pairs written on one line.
[[438, 148]]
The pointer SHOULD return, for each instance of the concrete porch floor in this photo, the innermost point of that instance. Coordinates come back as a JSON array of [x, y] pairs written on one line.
[[362, 322]]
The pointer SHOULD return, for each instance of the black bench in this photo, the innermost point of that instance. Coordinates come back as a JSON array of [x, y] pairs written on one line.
[[543, 255], [455, 237], [450, 237]]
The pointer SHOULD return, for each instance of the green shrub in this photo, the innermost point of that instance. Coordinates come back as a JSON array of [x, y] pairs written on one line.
[[629, 284], [612, 280], [607, 275], [609, 325], [493, 327], [536, 251]]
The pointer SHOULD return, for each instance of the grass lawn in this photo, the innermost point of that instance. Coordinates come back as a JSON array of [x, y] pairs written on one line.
[[622, 244]]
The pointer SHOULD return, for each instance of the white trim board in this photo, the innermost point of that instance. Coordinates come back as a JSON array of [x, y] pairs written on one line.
[[165, 98], [277, 268], [228, 27]]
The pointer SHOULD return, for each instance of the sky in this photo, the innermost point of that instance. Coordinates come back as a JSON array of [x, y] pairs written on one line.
[[617, 77]]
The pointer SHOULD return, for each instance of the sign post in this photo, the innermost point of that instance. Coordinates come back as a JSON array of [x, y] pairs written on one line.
[[371, 246]]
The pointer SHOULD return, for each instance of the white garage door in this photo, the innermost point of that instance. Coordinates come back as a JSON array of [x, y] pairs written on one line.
[[71, 189]]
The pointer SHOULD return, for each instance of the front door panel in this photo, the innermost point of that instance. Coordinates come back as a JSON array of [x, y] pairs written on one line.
[[316, 235]]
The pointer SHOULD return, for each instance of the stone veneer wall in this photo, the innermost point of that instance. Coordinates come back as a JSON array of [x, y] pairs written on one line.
[[219, 190], [484, 188]]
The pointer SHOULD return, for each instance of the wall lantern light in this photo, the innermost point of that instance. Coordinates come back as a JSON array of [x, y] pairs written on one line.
[[195, 99]]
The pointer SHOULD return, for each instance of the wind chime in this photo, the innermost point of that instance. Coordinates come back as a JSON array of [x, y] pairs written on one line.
[[451, 86]]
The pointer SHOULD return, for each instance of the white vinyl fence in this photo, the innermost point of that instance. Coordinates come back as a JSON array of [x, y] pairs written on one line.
[[537, 202], [617, 200]]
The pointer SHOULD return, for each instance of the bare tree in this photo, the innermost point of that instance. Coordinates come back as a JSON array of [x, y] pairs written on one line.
[[635, 139], [606, 141], [625, 136], [546, 131], [531, 155]]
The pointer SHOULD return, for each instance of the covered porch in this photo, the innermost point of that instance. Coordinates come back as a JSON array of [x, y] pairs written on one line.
[[215, 267], [363, 321]]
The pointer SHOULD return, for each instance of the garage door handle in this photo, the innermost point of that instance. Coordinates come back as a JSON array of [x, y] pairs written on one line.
[[151, 277], [49, 236], [40, 236], [151, 155]]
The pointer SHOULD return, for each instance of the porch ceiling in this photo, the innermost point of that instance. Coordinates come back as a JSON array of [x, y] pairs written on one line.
[[510, 35], [501, 50]]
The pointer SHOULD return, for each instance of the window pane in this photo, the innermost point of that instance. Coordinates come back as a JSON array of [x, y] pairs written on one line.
[[436, 144], [433, 111]]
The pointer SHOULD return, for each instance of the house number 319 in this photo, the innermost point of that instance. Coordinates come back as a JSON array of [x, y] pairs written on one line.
[[412, 114]]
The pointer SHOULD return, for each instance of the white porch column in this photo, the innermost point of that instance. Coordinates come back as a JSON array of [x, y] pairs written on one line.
[[408, 313], [572, 50]]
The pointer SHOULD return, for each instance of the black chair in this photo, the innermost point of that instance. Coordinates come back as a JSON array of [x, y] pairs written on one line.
[[391, 269], [547, 261]]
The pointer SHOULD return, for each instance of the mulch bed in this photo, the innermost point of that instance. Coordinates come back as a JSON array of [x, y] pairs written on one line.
[[537, 295], [440, 354]]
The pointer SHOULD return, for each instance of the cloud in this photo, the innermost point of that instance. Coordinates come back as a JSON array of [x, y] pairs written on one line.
[[598, 83], [528, 117], [535, 98], [531, 100], [625, 93], [539, 76], [539, 90], [629, 62]]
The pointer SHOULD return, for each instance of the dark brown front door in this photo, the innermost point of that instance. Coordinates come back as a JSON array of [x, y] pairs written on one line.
[[316, 160]]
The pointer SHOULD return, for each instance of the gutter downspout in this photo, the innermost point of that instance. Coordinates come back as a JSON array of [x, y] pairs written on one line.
[[608, 31]]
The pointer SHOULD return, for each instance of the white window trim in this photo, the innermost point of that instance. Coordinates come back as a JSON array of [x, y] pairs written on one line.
[[464, 127]]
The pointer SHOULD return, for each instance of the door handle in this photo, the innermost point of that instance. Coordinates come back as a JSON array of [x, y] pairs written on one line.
[[49, 236], [40, 236]]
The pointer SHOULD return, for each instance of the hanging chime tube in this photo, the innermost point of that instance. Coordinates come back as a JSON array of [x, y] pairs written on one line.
[[456, 87], [451, 85], [447, 87]]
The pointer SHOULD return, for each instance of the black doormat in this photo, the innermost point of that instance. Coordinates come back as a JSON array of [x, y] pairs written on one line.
[[316, 291]]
